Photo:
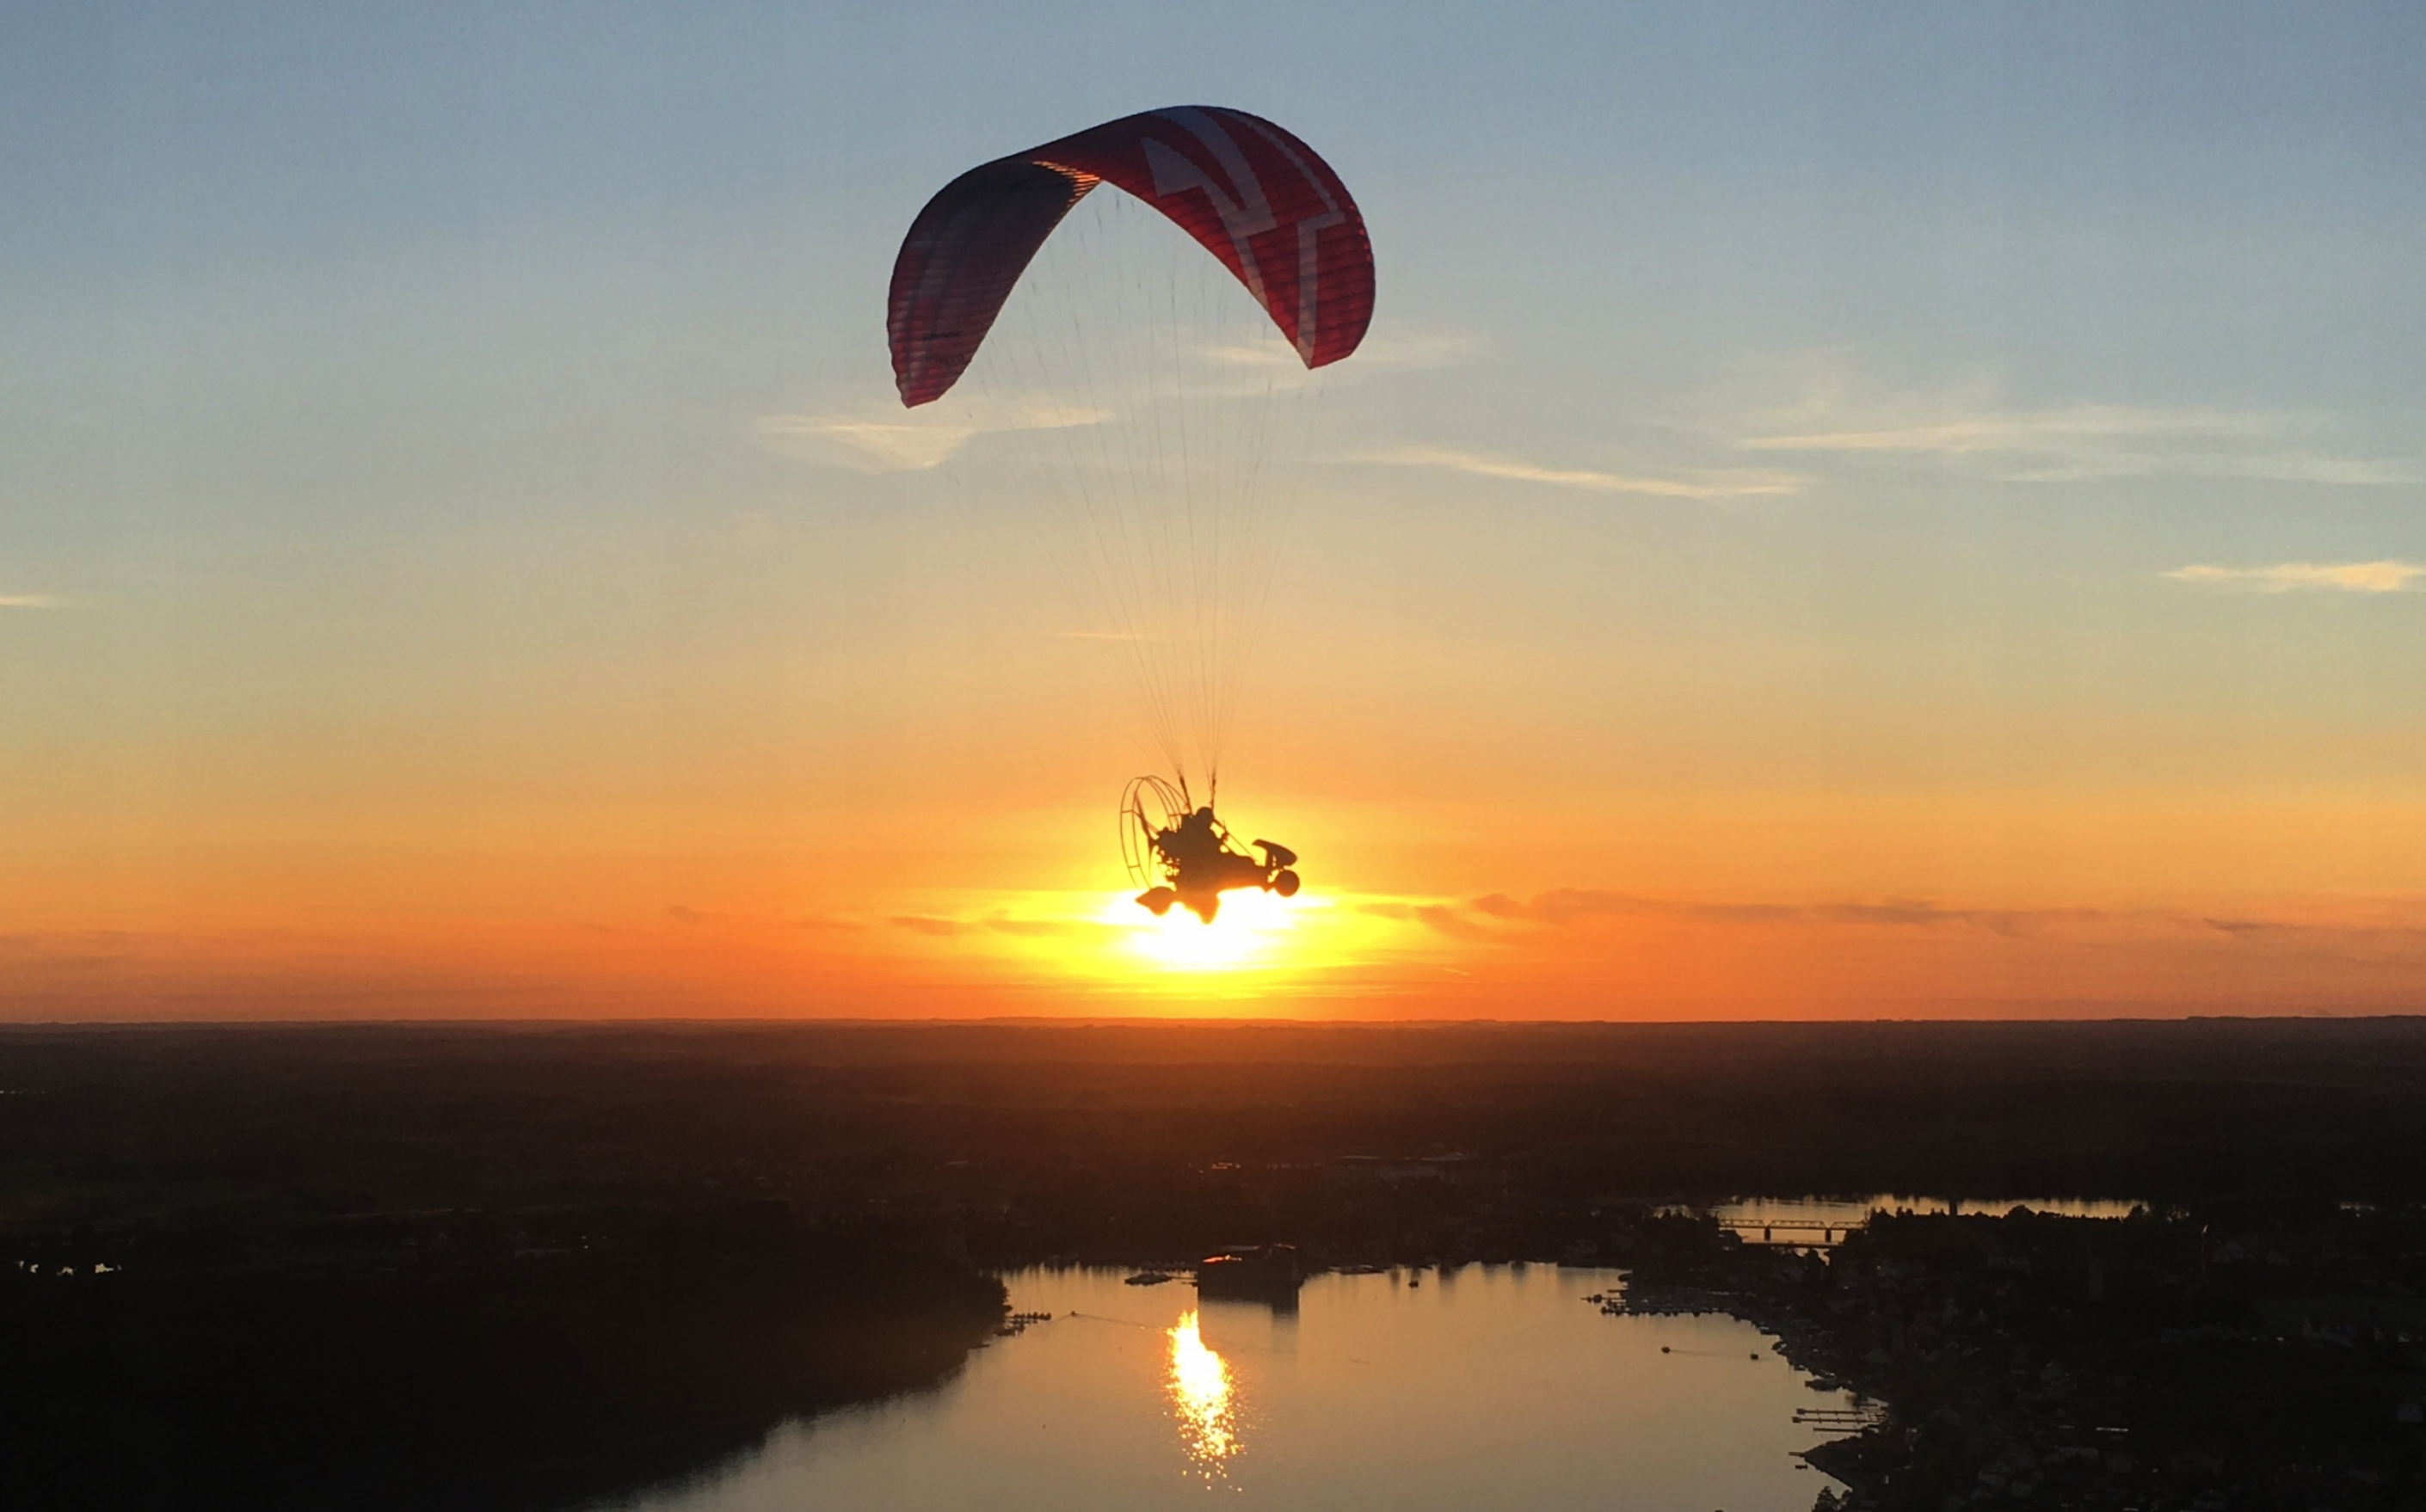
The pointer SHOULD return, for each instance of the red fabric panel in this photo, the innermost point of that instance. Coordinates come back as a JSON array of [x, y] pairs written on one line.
[[1256, 198]]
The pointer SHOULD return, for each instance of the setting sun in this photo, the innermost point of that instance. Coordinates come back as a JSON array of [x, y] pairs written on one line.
[[1254, 930]]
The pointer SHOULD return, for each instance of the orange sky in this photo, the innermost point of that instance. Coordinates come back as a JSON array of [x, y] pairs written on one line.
[[1717, 906], [1857, 530]]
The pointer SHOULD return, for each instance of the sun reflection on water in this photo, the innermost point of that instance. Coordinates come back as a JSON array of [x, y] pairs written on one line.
[[1202, 1398]]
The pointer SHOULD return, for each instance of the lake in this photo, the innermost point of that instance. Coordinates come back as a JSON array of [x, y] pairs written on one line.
[[1497, 1387]]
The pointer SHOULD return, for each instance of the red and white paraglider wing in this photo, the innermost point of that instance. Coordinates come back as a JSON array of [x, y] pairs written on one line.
[[1257, 198]]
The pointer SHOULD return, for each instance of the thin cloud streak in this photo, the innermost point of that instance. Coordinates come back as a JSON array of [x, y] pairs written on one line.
[[2084, 442], [2020, 430], [2349, 577], [1397, 351], [1721, 485], [875, 438], [31, 601], [1584, 916], [1569, 906], [1258, 368]]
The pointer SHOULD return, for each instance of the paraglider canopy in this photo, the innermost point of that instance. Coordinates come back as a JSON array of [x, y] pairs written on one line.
[[1255, 196], [1178, 422]]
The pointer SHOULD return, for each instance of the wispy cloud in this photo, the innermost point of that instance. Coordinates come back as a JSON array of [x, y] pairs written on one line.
[[1039, 928], [2081, 442], [935, 926], [1719, 484], [824, 924], [30, 601], [2350, 577], [2018, 430], [871, 432], [881, 436], [1400, 350], [1585, 916], [1569, 906]]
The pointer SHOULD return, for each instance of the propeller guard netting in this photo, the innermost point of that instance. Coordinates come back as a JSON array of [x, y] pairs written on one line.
[[1149, 806]]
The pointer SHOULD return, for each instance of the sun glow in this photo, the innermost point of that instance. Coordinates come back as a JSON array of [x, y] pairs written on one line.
[[1202, 1399], [1253, 930], [1257, 947]]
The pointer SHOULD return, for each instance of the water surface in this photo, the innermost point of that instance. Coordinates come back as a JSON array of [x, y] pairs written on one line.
[[1495, 1387]]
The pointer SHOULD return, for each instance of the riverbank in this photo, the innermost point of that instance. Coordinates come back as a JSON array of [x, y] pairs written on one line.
[[2238, 1357], [468, 1360]]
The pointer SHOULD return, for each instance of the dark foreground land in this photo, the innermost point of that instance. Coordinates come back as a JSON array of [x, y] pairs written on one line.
[[524, 1267], [2241, 1355]]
